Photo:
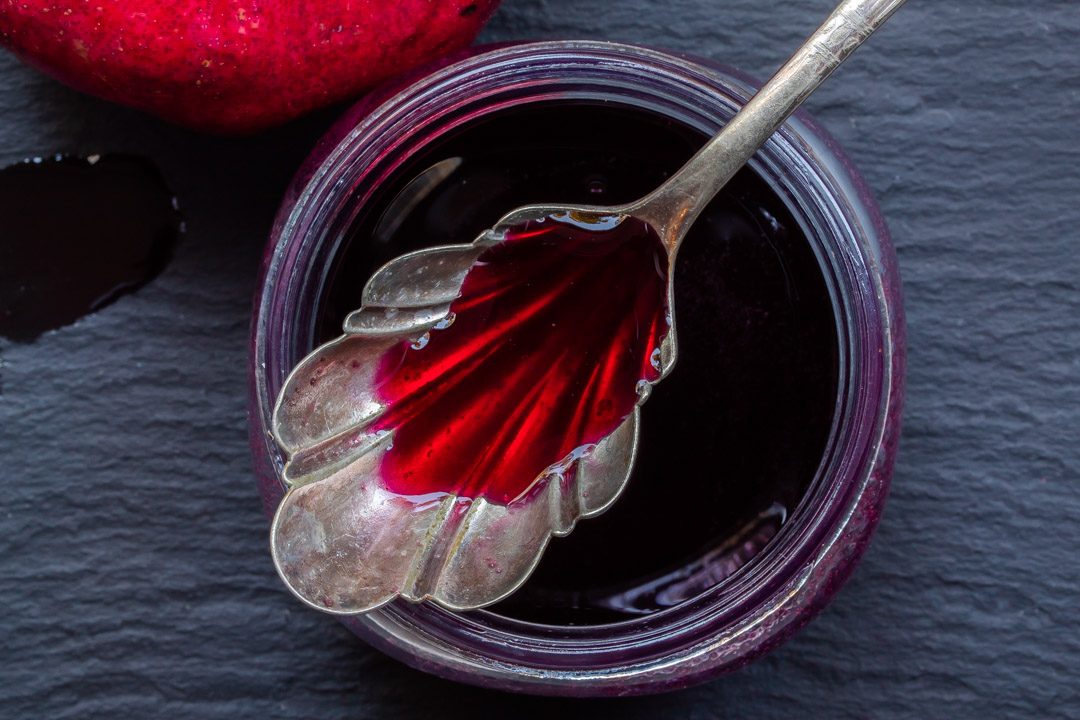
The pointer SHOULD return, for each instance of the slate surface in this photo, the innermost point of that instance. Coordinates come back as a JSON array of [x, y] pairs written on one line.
[[134, 578]]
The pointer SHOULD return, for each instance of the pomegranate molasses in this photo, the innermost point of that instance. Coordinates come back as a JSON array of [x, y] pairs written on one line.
[[78, 233], [542, 355], [729, 442]]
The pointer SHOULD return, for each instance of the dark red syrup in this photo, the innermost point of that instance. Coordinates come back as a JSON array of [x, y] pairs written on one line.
[[76, 234], [553, 332], [731, 439]]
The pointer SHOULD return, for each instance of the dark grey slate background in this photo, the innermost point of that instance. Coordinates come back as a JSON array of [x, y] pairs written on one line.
[[134, 578]]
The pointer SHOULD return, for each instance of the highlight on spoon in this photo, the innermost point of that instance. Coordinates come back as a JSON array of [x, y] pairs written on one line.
[[484, 398]]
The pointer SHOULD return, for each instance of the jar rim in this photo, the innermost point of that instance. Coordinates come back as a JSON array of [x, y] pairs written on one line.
[[811, 174]]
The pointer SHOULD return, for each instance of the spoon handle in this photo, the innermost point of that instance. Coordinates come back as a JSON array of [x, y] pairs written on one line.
[[673, 206]]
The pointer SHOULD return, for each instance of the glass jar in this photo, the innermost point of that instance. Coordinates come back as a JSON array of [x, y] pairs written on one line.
[[794, 576]]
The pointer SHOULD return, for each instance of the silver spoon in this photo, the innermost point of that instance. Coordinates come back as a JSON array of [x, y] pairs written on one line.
[[344, 542]]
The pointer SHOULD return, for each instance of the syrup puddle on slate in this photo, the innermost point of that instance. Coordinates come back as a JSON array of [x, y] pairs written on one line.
[[76, 234]]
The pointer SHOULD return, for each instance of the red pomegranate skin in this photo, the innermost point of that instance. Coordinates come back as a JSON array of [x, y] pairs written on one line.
[[233, 66]]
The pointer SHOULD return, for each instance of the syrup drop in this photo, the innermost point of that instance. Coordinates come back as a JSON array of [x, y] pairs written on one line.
[[554, 331]]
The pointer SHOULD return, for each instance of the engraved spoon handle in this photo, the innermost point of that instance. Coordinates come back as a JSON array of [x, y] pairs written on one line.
[[673, 206]]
